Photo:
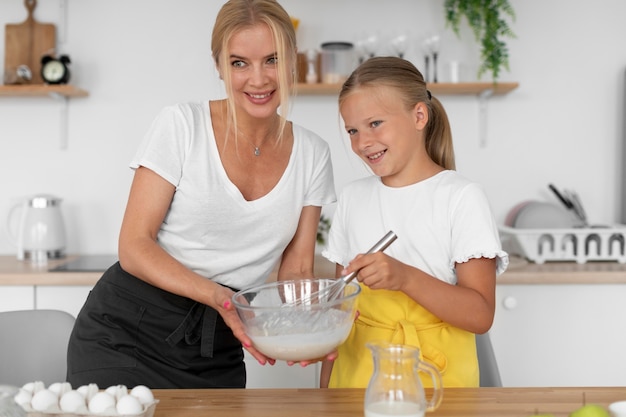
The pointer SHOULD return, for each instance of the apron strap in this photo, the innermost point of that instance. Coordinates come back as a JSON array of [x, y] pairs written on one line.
[[199, 324], [407, 333]]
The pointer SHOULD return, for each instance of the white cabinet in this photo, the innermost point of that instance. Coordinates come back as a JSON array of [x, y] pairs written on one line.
[[16, 297], [561, 335], [68, 298]]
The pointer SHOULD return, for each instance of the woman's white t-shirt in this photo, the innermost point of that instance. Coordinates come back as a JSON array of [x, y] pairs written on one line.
[[210, 228]]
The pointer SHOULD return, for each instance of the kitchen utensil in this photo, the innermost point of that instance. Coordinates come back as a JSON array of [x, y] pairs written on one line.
[[27, 42], [434, 50], [333, 291], [572, 202], [40, 231], [577, 206], [284, 329], [399, 44], [566, 202], [395, 387], [426, 52]]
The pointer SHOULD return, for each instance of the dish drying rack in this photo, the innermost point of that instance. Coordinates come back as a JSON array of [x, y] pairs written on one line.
[[596, 243]]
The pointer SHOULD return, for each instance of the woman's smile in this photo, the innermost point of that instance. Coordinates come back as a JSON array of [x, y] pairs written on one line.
[[261, 98]]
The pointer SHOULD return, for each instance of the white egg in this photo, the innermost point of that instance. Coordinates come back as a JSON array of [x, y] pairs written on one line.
[[72, 401], [44, 400], [88, 391], [34, 387], [143, 393], [118, 391], [23, 397], [60, 388], [101, 402], [129, 405]]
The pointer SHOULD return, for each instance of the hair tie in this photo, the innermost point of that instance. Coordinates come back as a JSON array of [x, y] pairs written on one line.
[[430, 96]]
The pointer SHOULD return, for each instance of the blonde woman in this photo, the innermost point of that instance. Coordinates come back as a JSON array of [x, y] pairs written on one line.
[[224, 191], [434, 288]]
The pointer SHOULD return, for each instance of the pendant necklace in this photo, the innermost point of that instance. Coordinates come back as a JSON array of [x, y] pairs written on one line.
[[257, 149]]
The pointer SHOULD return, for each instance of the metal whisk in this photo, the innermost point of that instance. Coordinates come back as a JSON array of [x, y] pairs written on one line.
[[335, 290]]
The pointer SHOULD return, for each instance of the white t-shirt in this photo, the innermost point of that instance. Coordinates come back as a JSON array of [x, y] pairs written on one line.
[[210, 227], [440, 221]]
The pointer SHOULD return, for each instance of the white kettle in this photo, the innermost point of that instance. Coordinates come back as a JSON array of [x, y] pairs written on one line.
[[40, 231]]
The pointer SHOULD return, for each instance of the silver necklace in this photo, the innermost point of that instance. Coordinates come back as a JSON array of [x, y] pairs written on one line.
[[257, 149]]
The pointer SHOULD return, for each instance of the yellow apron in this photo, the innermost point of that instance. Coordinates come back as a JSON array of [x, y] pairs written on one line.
[[393, 316]]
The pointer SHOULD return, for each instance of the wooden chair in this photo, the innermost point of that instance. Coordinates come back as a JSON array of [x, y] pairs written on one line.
[[33, 346]]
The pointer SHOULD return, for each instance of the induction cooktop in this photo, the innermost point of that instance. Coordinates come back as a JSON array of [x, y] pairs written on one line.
[[87, 263]]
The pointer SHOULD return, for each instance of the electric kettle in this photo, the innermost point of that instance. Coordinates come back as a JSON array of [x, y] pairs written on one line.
[[40, 231]]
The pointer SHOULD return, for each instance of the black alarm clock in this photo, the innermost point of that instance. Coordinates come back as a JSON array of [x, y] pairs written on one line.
[[55, 70]]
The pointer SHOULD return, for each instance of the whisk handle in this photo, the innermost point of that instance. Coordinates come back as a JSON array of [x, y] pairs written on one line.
[[380, 246]]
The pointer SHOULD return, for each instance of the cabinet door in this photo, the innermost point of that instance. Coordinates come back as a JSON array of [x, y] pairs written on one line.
[[62, 297], [280, 375], [561, 335], [16, 297]]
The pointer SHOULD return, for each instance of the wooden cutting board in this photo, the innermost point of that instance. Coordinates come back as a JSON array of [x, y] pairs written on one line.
[[27, 42]]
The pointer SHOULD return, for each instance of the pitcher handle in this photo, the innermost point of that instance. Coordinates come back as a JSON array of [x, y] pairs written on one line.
[[437, 396]]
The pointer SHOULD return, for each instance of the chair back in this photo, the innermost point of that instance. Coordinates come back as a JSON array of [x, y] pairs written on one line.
[[33, 346], [487, 364]]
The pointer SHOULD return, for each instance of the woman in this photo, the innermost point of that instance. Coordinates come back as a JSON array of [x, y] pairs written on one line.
[[223, 192]]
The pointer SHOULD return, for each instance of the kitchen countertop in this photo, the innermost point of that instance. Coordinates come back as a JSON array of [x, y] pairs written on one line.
[[14, 272], [346, 402]]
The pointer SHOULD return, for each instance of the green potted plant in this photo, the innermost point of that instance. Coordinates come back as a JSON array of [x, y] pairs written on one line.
[[322, 230], [487, 19]]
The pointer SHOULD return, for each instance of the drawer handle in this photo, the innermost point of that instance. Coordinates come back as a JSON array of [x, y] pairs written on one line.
[[509, 303]]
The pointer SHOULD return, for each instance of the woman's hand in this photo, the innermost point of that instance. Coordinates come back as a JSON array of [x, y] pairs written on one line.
[[224, 306]]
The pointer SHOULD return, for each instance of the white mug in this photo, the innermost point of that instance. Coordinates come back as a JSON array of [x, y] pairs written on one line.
[[617, 409]]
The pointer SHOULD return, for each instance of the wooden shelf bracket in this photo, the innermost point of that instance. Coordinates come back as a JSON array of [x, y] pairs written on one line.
[[63, 118]]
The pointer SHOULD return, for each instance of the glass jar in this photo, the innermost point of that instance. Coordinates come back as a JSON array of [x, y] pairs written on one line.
[[337, 61]]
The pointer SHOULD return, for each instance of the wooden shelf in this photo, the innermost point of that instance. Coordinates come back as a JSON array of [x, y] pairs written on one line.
[[59, 92], [437, 88], [42, 90]]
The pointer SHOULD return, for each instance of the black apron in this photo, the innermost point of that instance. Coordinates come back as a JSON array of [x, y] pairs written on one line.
[[132, 333]]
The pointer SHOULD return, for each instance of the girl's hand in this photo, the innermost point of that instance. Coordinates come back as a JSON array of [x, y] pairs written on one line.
[[378, 271], [226, 309]]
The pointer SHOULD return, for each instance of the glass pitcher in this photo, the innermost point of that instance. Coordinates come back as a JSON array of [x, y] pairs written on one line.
[[395, 388]]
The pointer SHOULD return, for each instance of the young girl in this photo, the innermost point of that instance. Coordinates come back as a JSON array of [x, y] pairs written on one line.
[[434, 287]]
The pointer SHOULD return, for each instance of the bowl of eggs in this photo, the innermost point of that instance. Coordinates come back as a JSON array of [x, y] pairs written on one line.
[[61, 399]]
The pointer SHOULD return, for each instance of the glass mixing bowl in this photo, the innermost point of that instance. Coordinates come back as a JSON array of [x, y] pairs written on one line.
[[286, 322]]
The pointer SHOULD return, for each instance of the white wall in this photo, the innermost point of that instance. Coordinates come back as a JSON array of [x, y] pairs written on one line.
[[563, 124]]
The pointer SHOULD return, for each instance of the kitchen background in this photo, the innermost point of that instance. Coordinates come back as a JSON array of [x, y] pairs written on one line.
[[563, 125]]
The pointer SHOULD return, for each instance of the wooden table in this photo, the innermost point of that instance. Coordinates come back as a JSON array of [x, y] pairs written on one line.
[[457, 402]]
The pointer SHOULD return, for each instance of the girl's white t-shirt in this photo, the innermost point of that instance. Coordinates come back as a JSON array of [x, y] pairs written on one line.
[[210, 228], [440, 221]]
